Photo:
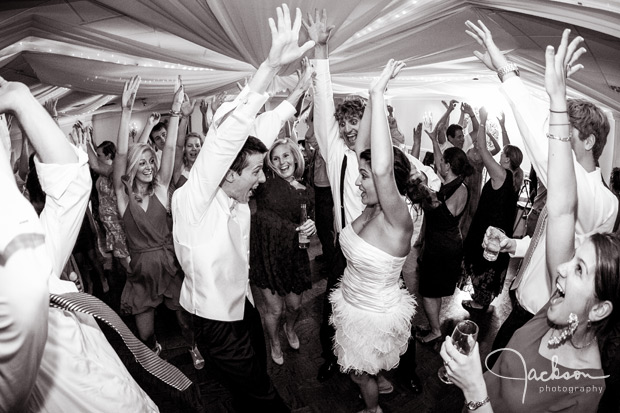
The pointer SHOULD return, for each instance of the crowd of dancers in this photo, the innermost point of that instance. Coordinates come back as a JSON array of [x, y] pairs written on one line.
[[171, 211]]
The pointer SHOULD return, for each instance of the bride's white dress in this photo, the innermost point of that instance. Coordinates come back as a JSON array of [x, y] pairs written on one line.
[[372, 312]]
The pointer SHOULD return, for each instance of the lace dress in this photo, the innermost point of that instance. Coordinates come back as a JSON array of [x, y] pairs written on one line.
[[372, 312]]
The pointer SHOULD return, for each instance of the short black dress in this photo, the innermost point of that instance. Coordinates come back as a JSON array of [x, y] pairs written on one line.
[[276, 261], [442, 251], [497, 208]]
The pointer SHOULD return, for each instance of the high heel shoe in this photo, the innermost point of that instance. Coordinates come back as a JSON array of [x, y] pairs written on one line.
[[293, 340], [279, 360]]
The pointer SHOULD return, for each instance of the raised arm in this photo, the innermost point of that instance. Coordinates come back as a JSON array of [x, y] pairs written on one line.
[[392, 202], [151, 121], [434, 137], [417, 141], [466, 108], [167, 158], [187, 108], [496, 171], [561, 179], [496, 147], [445, 119], [502, 124], [122, 143]]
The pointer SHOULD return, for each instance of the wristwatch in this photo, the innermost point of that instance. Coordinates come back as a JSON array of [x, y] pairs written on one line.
[[504, 70], [476, 405]]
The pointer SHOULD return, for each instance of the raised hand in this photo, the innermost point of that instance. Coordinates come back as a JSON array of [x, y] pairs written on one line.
[[559, 66], [417, 132], [304, 75], [187, 107], [317, 27], [502, 119], [218, 100], [153, 119], [204, 107], [50, 106], [179, 95], [129, 93], [285, 38], [492, 57], [465, 107], [390, 71], [483, 114]]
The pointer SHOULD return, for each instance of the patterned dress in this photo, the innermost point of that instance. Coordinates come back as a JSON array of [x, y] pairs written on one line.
[[108, 213]]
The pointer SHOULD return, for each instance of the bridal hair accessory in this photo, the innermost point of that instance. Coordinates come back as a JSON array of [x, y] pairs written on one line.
[[567, 332]]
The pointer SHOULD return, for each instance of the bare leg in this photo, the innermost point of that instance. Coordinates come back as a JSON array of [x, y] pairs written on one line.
[[369, 388], [271, 317], [432, 306], [145, 322], [293, 303]]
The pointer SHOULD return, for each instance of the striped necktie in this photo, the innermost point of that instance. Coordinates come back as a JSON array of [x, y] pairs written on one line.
[[85, 303], [541, 226]]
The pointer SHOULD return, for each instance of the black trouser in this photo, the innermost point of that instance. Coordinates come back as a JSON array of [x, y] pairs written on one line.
[[516, 319], [327, 332], [324, 217], [237, 349]]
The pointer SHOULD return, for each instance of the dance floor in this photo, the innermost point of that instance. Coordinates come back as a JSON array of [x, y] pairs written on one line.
[[296, 378]]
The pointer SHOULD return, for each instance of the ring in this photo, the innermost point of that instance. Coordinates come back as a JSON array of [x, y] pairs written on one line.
[[447, 363]]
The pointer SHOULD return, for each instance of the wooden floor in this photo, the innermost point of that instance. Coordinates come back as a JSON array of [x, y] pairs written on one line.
[[296, 379]]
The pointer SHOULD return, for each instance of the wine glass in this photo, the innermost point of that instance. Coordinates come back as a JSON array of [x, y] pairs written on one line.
[[464, 339]]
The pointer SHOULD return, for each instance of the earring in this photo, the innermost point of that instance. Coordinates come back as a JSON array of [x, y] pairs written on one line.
[[567, 332]]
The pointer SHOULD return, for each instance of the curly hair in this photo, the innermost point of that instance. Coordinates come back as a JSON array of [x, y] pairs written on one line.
[[353, 106]]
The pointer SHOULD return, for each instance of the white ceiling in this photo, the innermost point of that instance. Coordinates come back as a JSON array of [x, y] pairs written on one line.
[[82, 51]]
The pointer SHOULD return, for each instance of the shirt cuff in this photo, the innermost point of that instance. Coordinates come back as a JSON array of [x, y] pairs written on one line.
[[521, 247], [56, 178]]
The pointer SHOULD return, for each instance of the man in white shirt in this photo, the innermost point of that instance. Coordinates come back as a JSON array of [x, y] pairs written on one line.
[[58, 360], [212, 227], [598, 207], [336, 133]]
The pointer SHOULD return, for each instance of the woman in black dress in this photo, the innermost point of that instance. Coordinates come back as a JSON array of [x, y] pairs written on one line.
[[278, 266], [442, 251], [497, 208]]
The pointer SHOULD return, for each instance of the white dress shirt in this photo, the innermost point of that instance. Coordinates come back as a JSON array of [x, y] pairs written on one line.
[[79, 370], [597, 206], [211, 231], [334, 149]]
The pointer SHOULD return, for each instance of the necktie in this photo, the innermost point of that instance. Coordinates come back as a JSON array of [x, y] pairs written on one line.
[[541, 225], [343, 170], [85, 303]]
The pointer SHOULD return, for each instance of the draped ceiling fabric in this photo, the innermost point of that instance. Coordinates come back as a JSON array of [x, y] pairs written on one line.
[[82, 51]]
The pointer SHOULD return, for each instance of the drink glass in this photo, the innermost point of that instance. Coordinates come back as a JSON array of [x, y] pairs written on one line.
[[464, 339], [304, 241], [492, 237]]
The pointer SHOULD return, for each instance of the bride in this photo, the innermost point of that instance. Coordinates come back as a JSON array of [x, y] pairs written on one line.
[[372, 313]]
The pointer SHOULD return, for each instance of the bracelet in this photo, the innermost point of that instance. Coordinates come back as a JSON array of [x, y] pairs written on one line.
[[476, 405], [559, 124], [558, 138], [175, 113], [557, 111], [504, 70]]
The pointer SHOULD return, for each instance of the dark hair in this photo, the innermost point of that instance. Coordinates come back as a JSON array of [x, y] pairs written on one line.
[[35, 192], [614, 181], [402, 168], [108, 148], [459, 164], [588, 119], [607, 281], [251, 146], [451, 131], [515, 156], [159, 126], [353, 106]]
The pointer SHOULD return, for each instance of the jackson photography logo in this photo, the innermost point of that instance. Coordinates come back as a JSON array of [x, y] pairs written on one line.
[[551, 381]]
